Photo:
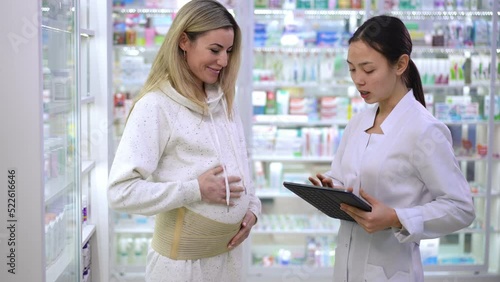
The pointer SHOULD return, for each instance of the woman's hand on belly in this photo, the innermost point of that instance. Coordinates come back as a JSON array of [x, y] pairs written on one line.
[[213, 187], [246, 225]]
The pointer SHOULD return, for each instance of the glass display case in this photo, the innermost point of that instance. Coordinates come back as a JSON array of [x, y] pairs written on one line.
[[42, 159], [49, 110], [60, 158]]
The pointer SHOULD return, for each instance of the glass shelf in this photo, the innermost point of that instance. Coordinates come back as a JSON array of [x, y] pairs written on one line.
[[293, 120], [57, 107], [277, 158], [295, 232], [142, 10], [133, 229], [440, 15], [416, 49], [87, 232], [278, 84], [138, 10], [57, 268], [87, 166], [314, 49], [310, 12]]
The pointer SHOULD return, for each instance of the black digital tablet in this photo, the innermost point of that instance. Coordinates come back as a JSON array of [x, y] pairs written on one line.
[[327, 199]]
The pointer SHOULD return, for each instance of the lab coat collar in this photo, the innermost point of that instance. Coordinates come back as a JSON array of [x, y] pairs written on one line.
[[394, 117]]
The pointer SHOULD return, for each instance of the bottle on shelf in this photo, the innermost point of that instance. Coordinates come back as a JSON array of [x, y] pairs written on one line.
[[84, 210], [140, 39], [149, 33]]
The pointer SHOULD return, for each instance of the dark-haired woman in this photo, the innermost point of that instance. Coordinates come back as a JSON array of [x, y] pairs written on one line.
[[399, 158]]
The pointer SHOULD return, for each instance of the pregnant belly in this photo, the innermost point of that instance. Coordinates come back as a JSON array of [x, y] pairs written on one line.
[[221, 213]]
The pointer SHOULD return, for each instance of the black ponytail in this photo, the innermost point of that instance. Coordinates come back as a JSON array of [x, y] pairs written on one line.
[[413, 81]]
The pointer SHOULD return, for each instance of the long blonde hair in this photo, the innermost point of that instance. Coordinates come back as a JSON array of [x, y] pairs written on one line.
[[194, 18]]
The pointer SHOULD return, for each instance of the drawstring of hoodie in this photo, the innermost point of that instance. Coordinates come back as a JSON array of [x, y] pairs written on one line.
[[219, 152], [233, 146], [218, 148]]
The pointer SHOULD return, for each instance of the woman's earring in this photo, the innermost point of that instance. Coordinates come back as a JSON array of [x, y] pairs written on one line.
[[184, 53]]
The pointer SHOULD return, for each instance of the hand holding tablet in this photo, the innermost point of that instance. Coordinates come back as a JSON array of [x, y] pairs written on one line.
[[328, 200]]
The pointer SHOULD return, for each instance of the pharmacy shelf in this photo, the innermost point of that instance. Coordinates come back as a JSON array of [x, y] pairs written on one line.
[[87, 100], [474, 158], [152, 10], [330, 50], [87, 32], [87, 166], [277, 158], [57, 107], [294, 232], [87, 232], [468, 122], [133, 229], [294, 120], [291, 272], [309, 12], [483, 194], [442, 15], [273, 193], [57, 186], [56, 269], [449, 50], [142, 10], [271, 85], [135, 50], [320, 50]]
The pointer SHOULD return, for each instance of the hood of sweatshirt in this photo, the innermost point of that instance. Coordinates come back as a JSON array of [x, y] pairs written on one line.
[[214, 98]]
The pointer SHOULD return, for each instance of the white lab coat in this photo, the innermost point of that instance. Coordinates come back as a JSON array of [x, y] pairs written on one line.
[[411, 168]]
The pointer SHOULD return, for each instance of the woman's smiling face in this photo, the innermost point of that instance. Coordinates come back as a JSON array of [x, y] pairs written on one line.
[[371, 72], [209, 54]]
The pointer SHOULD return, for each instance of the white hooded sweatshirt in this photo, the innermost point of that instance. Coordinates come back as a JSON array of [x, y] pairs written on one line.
[[167, 143]]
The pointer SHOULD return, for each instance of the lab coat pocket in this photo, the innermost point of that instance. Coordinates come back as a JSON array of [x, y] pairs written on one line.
[[375, 273], [388, 259]]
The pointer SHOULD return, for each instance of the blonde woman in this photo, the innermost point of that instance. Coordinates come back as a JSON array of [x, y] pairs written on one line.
[[183, 157]]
